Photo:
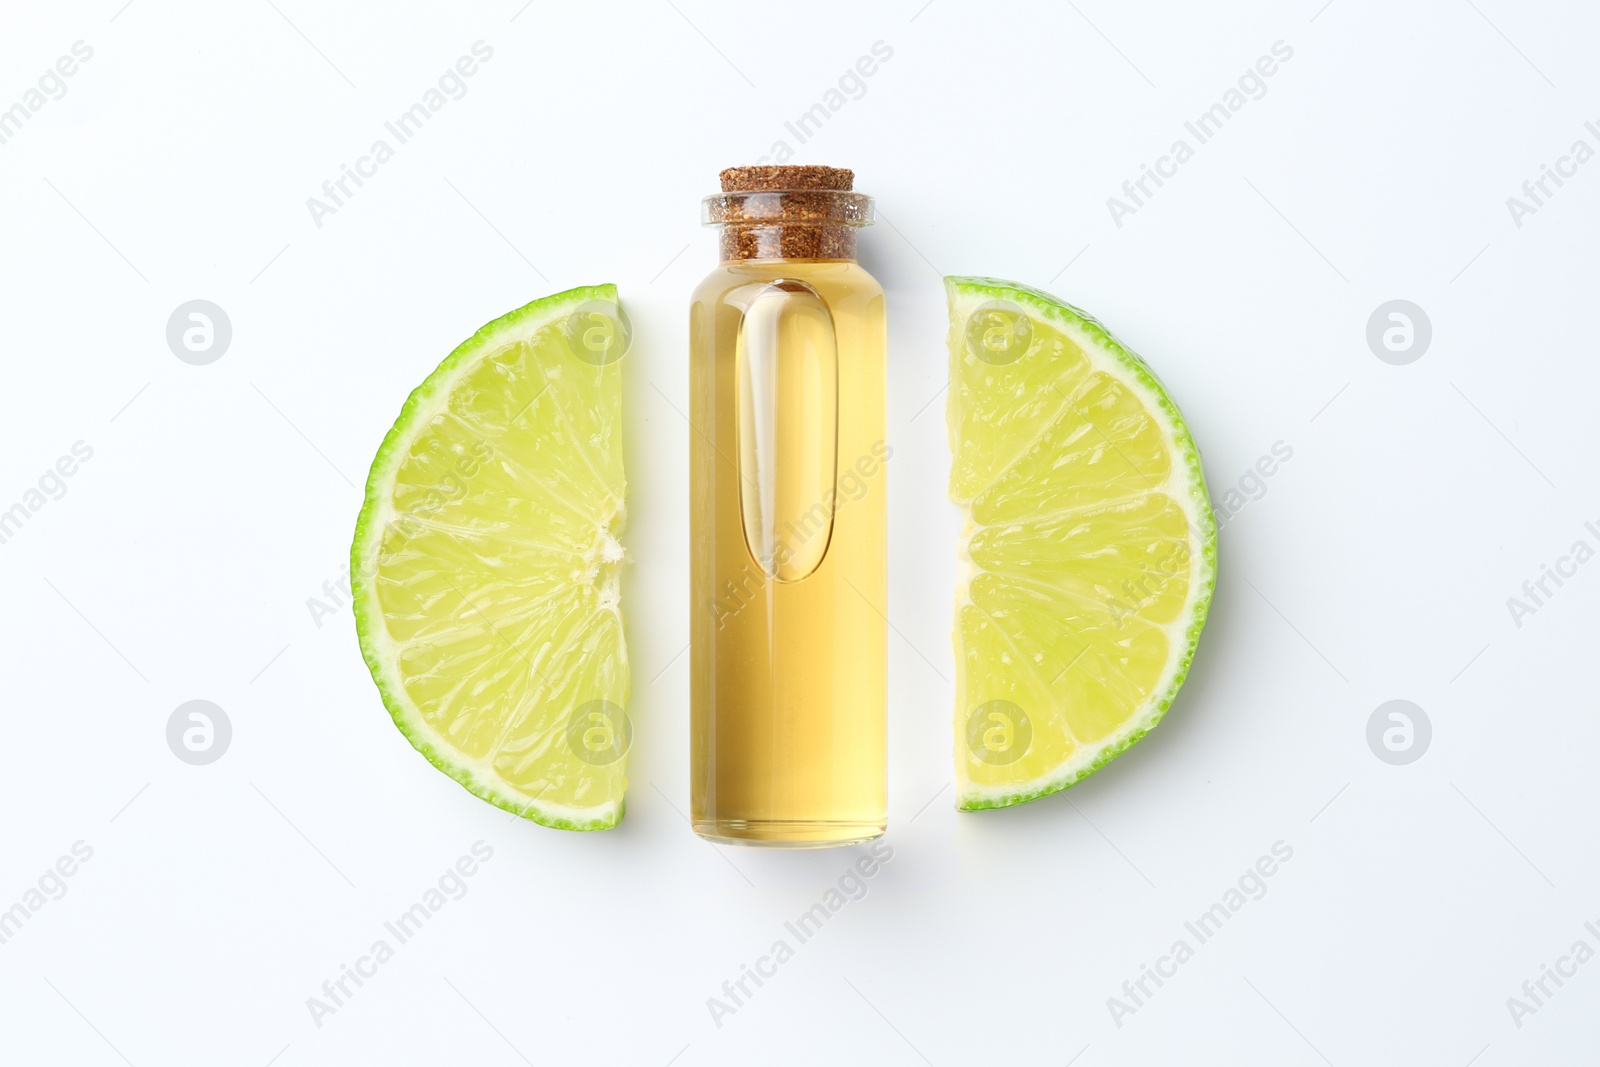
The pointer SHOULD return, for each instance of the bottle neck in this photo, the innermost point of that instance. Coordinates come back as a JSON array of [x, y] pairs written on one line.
[[787, 223], [787, 240]]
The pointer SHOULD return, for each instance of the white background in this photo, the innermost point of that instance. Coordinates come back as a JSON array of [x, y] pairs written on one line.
[[1377, 565]]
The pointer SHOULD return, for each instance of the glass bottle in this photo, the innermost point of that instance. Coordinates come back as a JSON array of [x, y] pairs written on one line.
[[788, 569]]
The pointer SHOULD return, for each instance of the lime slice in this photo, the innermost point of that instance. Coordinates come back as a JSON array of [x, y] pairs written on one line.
[[485, 564], [1090, 548]]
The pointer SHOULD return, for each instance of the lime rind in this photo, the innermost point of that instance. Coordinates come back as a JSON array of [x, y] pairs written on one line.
[[376, 513], [1186, 485]]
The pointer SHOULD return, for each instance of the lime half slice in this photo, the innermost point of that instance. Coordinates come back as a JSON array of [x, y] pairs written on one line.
[[1090, 548], [486, 558]]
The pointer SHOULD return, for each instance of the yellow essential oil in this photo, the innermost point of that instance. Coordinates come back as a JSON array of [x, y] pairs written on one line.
[[788, 569]]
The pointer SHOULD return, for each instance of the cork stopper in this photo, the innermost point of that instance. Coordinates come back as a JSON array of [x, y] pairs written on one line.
[[753, 179], [788, 212]]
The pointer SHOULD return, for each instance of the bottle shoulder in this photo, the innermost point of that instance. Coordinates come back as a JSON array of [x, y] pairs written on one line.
[[827, 275]]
